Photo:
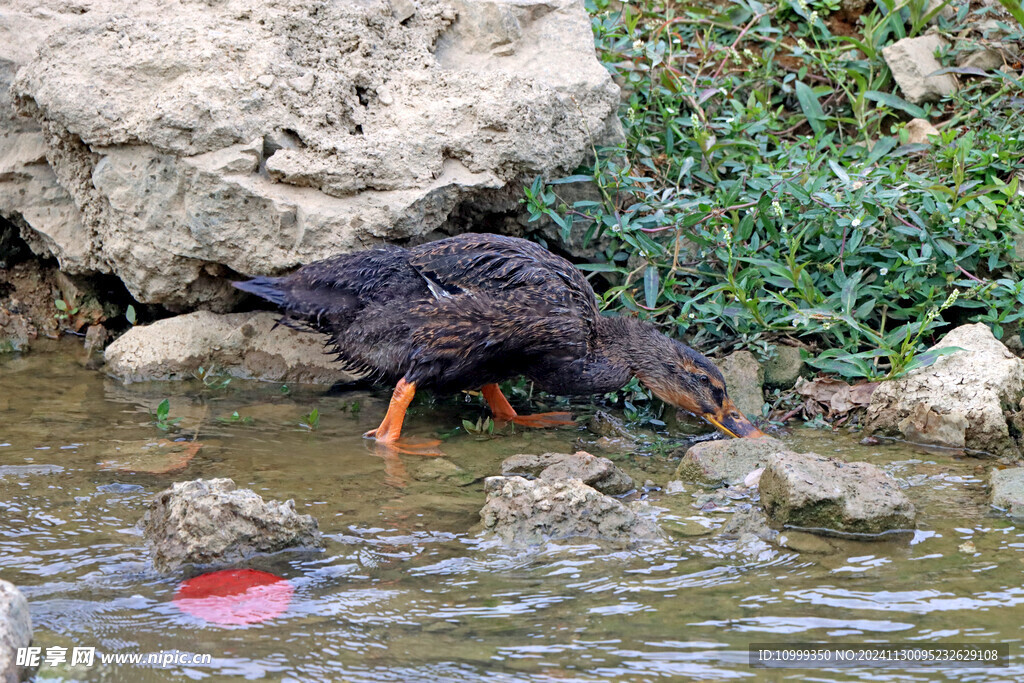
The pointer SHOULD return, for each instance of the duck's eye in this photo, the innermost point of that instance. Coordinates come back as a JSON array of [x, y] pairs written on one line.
[[704, 379]]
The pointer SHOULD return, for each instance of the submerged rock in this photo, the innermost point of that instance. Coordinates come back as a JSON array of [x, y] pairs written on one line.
[[598, 473], [726, 462], [530, 511], [912, 61], [980, 383], [744, 378], [15, 632], [246, 345], [181, 143], [815, 493], [205, 522], [1007, 490]]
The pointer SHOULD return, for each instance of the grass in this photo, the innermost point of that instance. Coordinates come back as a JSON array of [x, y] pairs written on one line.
[[766, 190]]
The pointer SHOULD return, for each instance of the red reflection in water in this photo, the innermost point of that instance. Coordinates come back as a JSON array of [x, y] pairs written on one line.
[[234, 596]]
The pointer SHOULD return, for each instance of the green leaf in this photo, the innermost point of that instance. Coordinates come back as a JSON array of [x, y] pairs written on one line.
[[651, 286], [61, 306], [600, 267], [812, 108], [896, 102]]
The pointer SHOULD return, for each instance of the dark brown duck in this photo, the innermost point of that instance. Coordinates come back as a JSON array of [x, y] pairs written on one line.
[[470, 311]]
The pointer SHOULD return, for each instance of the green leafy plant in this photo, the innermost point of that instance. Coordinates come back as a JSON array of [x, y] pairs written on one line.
[[64, 311], [162, 419], [311, 420], [483, 427], [766, 187], [211, 377]]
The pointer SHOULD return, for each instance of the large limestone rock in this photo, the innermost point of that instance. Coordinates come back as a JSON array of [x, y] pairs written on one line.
[[526, 512], [809, 491], [967, 390], [596, 472], [15, 632], [245, 345], [208, 522], [178, 144], [912, 61]]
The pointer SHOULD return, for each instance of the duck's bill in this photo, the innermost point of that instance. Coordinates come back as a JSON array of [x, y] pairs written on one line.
[[734, 424]]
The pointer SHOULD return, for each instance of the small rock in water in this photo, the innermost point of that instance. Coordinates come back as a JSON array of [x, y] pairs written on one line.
[[803, 542], [726, 461], [15, 632], [599, 473], [527, 512], [808, 491], [967, 547], [1007, 490], [870, 441], [674, 487], [205, 522], [606, 424], [750, 521]]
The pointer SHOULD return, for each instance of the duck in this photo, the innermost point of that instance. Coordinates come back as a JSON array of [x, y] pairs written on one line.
[[467, 312]]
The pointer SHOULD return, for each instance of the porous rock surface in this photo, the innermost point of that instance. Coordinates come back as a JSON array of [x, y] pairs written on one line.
[[744, 378], [726, 462], [178, 144], [809, 491], [912, 62], [530, 511], [245, 345], [211, 522], [979, 384], [15, 632], [596, 472], [1007, 490]]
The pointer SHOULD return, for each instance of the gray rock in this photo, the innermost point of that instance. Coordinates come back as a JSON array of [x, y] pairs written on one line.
[[598, 473], [782, 371], [911, 61], [141, 142], [815, 493], [751, 521], [744, 378], [985, 59], [726, 462], [1007, 490], [980, 382], [15, 632], [245, 345], [605, 424], [526, 512], [211, 522]]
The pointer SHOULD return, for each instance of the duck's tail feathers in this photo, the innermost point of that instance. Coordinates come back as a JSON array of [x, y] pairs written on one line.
[[265, 287]]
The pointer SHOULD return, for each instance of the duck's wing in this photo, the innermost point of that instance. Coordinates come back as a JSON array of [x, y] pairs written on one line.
[[506, 268]]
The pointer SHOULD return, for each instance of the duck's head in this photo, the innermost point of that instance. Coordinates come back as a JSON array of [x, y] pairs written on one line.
[[684, 378]]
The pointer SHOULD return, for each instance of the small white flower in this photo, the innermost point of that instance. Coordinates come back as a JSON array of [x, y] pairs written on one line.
[[995, 155], [730, 120], [638, 45], [855, 222], [814, 17], [883, 271], [956, 219], [691, 316]]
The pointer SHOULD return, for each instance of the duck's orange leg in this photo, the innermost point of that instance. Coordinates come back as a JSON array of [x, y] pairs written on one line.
[[504, 412], [389, 433]]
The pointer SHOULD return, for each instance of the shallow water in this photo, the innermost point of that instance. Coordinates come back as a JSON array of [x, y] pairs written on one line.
[[407, 588]]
